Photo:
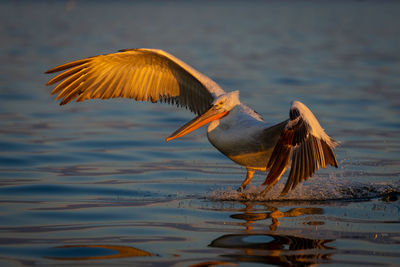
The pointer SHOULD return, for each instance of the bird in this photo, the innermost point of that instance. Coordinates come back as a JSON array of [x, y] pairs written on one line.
[[237, 131]]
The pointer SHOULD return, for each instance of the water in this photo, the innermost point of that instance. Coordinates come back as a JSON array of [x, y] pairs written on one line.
[[95, 183]]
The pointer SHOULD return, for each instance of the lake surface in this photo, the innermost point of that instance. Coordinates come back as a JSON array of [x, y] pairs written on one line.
[[95, 183]]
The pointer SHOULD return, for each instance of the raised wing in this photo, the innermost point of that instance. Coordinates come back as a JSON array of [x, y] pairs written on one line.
[[142, 74], [309, 145]]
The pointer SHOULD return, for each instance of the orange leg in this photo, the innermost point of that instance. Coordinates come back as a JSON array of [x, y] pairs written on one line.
[[249, 176]]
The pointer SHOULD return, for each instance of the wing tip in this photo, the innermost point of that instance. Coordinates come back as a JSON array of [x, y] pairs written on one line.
[[52, 70]]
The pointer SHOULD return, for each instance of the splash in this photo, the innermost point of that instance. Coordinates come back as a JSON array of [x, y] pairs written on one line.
[[318, 189]]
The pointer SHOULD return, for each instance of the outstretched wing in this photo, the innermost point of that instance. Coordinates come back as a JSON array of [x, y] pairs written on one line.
[[309, 145], [142, 74]]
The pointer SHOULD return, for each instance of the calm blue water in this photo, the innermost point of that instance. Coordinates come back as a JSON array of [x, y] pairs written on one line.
[[95, 183]]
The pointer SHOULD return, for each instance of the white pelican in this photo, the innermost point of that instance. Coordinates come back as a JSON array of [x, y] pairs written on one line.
[[235, 129]]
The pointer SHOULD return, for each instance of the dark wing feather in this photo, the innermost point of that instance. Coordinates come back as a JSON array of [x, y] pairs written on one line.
[[308, 145], [141, 74]]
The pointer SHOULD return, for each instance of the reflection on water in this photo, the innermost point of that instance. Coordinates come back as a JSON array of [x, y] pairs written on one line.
[[274, 214], [101, 252], [268, 234], [274, 249]]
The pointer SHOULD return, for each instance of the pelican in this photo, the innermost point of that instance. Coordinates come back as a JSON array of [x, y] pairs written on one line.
[[236, 130]]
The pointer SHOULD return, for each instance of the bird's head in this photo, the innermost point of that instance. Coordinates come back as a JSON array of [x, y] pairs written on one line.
[[220, 107], [226, 101]]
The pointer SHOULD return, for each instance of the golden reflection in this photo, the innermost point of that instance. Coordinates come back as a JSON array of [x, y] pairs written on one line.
[[273, 213], [275, 249], [120, 252], [270, 247]]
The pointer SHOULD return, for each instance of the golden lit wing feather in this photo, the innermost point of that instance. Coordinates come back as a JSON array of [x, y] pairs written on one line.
[[309, 146], [142, 74]]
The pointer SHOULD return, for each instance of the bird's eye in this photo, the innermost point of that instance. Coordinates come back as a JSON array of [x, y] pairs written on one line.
[[219, 104]]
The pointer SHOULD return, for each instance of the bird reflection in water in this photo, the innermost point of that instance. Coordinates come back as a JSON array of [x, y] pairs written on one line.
[[98, 252], [272, 248], [274, 213]]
